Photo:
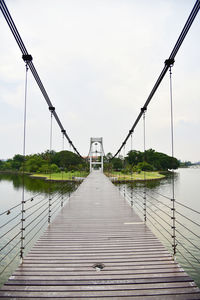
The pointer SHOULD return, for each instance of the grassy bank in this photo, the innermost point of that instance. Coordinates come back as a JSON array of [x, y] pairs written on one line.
[[61, 176], [119, 176]]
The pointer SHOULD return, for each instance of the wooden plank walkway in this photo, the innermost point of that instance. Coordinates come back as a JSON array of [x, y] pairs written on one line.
[[97, 226]]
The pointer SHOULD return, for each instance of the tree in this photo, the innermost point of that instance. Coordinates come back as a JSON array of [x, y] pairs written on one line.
[[134, 157], [117, 163], [108, 157], [66, 159], [144, 166], [17, 161]]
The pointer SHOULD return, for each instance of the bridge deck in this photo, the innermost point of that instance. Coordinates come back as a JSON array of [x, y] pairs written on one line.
[[97, 226]]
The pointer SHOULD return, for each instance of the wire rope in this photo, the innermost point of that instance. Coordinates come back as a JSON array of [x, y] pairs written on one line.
[[165, 69], [24, 51], [10, 241], [188, 251], [10, 220]]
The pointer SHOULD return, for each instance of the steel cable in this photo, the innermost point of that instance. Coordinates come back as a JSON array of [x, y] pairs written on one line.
[[24, 51], [164, 71], [9, 210], [36, 232], [187, 260], [10, 230], [159, 224], [187, 218], [10, 241], [198, 236], [2, 271], [188, 240], [159, 201], [188, 251], [188, 207], [10, 251], [158, 229], [32, 213], [36, 225], [164, 212], [10, 221], [159, 216], [32, 221]]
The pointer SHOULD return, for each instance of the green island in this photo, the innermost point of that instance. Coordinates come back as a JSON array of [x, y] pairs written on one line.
[[69, 176], [143, 175], [68, 166]]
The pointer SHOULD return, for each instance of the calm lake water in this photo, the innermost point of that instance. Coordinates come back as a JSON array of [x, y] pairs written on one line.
[[187, 192]]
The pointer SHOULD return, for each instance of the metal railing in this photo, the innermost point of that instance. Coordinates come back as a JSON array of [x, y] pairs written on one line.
[[157, 209], [20, 229]]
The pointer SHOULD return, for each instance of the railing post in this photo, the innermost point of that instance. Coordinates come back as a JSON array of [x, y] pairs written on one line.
[[22, 247], [145, 206], [51, 109], [173, 227], [131, 196]]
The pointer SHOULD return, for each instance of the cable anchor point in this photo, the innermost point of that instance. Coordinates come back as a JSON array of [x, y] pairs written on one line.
[[27, 58], [169, 62]]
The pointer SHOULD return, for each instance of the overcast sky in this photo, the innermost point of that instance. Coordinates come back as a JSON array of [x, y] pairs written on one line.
[[98, 60]]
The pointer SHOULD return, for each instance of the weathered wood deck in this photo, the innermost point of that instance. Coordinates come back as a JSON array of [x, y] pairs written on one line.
[[98, 226]]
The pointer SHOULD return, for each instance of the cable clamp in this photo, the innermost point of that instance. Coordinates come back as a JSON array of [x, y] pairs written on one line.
[[32, 199], [63, 131], [51, 108], [173, 209], [172, 218], [22, 229], [27, 58], [169, 62], [173, 236], [143, 109]]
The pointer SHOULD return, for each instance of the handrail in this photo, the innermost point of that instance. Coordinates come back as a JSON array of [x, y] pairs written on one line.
[[38, 215], [145, 208]]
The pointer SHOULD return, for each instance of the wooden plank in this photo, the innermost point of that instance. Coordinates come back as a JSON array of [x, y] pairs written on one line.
[[98, 226]]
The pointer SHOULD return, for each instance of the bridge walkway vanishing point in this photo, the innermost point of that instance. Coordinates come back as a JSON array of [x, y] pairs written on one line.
[[97, 226]]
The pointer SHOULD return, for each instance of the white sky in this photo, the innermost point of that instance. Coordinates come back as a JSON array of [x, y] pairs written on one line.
[[98, 60]]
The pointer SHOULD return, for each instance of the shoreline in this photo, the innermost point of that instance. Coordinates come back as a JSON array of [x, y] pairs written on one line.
[[114, 179]]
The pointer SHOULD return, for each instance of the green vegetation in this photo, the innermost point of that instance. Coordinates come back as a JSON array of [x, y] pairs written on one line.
[[62, 175], [135, 176], [132, 166], [61, 165], [66, 165]]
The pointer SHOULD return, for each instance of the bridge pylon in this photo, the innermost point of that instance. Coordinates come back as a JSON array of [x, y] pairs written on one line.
[[96, 155]]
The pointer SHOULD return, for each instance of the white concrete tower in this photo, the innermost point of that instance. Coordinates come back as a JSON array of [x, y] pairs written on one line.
[[95, 154]]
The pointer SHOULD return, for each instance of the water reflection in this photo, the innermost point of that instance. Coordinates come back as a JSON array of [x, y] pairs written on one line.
[[36, 184]]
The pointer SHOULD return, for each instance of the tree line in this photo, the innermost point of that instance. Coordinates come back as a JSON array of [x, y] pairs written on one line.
[[45, 162], [137, 161], [54, 162]]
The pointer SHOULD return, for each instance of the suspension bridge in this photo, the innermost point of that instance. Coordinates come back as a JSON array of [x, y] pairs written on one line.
[[96, 246]]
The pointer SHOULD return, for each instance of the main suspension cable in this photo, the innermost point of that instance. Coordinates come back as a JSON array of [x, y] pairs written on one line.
[[24, 51], [168, 62]]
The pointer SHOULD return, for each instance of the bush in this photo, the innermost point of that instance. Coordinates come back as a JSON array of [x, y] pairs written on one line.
[[144, 166]]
